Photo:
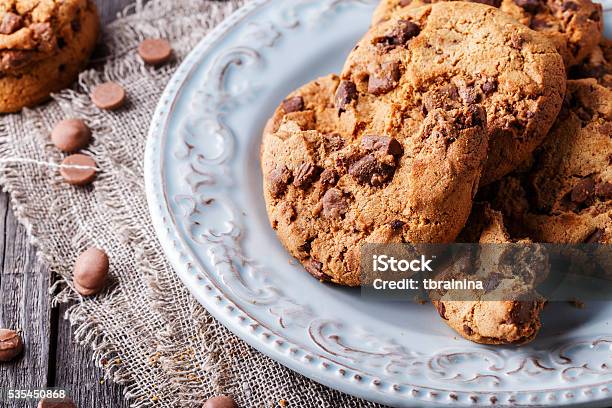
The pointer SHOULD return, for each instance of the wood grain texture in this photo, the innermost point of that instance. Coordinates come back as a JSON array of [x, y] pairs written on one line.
[[51, 358], [24, 305]]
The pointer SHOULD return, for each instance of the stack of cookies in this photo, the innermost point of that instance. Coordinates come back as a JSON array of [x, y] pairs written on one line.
[[44, 44], [450, 122]]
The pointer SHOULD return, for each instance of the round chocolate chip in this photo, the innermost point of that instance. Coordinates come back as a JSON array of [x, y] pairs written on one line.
[[108, 95], [11, 345], [90, 271], [155, 51], [71, 135], [78, 169], [56, 403], [222, 401]]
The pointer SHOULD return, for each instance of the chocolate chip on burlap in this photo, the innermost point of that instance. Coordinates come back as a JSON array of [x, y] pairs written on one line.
[[70, 135], [90, 271], [78, 169], [221, 401], [108, 96], [56, 403], [11, 345], [155, 51]]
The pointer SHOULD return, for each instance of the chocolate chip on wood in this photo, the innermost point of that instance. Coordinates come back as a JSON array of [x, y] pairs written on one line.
[[56, 403], [70, 135], [222, 401], [155, 51], [11, 345], [109, 96], [78, 169], [90, 271]]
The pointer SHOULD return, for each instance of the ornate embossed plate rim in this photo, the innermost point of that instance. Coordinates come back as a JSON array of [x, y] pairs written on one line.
[[273, 344]]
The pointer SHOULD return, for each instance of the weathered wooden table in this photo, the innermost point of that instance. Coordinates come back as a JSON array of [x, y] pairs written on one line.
[[51, 358]]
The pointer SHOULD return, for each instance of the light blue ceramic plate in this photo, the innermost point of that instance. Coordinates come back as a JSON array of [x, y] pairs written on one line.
[[204, 190]]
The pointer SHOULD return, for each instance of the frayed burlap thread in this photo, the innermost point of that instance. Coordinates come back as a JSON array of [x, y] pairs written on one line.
[[145, 329]]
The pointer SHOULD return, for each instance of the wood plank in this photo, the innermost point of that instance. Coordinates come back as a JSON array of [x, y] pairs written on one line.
[[50, 358], [76, 371], [24, 305]]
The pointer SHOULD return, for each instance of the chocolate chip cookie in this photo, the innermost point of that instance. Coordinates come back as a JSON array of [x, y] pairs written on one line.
[[565, 196], [597, 65], [574, 26], [508, 310], [43, 46], [332, 184], [447, 54]]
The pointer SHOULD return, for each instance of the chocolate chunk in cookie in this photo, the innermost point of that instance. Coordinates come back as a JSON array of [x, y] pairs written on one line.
[[382, 144], [11, 22], [354, 198], [385, 79], [489, 85], [484, 73], [329, 178], [315, 268], [370, 170], [345, 94], [573, 26], [492, 3], [596, 237], [334, 204], [279, 179], [583, 190], [604, 190], [293, 104], [566, 191], [403, 32], [305, 175], [530, 6]]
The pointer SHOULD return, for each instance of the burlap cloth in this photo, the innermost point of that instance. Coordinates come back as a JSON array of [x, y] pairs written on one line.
[[146, 331]]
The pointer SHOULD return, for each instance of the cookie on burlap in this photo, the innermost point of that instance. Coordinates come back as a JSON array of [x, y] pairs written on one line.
[[43, 46], [566, 195], [329, 187], [508, 310], [445, 54], [573, 26]]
